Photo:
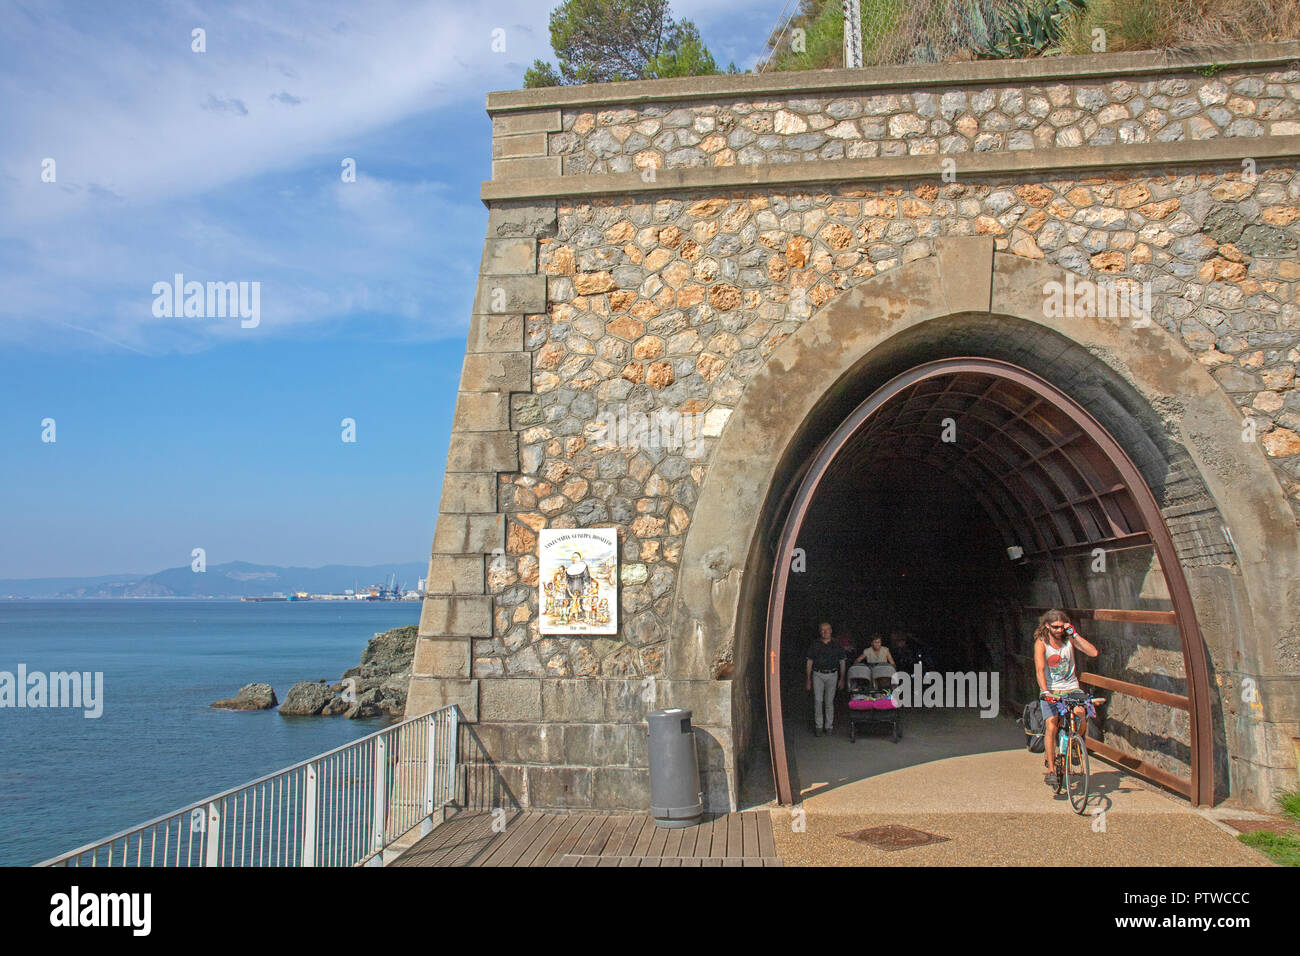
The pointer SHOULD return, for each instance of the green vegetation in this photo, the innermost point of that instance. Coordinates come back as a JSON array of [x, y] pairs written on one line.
[[1029, 28], [601, 41], [929, 31], [1281, 848], [1289, 801], [1179, 24]]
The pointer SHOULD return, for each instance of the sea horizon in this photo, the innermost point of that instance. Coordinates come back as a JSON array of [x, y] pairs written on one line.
[[159, 744]]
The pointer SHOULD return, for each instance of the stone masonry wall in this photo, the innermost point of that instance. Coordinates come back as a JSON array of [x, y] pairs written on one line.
[[953, 120], [662, 301]]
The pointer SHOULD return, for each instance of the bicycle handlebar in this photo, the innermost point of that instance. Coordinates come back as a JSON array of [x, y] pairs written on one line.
[[1055, 698]]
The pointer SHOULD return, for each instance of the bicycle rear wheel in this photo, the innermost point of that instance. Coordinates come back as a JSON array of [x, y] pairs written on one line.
[[1076, 773]]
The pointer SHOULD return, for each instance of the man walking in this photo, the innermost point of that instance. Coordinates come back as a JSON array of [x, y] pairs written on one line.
[[825, 674]]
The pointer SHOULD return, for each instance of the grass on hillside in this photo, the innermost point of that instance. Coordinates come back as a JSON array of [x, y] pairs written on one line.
[[1180, 24], [1281, 848], [927, 31]]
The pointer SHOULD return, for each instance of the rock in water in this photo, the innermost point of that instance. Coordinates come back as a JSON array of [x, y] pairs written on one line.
[[374, 688], [305, 698], [377, 686], [250, 697]]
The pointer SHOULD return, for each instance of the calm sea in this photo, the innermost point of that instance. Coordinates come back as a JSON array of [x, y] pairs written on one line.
[[66, 780]]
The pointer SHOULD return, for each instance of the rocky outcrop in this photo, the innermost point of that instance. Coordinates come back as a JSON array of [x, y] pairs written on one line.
[[250, 697], [374, 688], [305, 699]]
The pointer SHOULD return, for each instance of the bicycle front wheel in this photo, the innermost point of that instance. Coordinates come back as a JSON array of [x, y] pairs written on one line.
[[1076, 773]]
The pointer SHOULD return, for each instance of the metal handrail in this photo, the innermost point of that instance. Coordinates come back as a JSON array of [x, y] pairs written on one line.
[[344, 807]]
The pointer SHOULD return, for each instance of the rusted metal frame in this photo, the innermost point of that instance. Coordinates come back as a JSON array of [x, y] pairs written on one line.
[[1137, 539], [1054, 447], [1099, 498], [1059, 572], [789, 535], [1035, 459], [1003, 430], [1193, 644], [1019, 472], [1201, 789], [1163, 777], [1177, 701], [1015, 496]]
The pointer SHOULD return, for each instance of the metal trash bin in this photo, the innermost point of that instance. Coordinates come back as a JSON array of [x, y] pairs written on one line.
[[675, 797]]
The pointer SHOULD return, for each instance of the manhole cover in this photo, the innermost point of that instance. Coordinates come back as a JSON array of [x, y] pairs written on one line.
[[894, 837]]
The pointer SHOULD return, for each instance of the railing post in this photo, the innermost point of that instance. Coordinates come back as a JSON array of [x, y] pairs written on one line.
[[310, 793], [380, 814], [212, 852], [453, 744], [430, 772]]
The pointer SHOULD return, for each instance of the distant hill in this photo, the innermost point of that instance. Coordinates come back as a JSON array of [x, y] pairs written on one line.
[[235, 579]]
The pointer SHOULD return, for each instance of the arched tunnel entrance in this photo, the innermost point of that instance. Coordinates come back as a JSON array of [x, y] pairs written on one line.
[[944, 513]]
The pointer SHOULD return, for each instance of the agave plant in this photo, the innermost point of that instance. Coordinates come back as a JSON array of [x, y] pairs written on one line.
[[1029, 28]]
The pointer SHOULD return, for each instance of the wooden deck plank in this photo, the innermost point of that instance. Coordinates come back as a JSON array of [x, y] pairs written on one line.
[[689, 835], [717, 833], [541, 835], [673, 845], [749, 826], [641, 843], [656, 848], [580, 832], [568, 829], [735, 836], [631, 835], [541, 838], [603, 836], [506, 848], [616, 827], [766, 836], [454, 843]]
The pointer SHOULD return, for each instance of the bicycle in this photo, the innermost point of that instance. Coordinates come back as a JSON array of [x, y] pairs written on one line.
[[1071, 750]]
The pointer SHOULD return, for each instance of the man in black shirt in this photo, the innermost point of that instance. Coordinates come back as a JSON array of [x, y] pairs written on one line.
[[825, 674]]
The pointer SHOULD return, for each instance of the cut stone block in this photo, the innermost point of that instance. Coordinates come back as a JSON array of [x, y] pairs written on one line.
[[495, 333], [537, 167], [469, 534], [510, 124], [468, 493], [497, 372], [450, 615], [455, 574], [427, 694], [510, 294], [441, 658], [519, 144], [514, 256], [483, 451], [512, 699]]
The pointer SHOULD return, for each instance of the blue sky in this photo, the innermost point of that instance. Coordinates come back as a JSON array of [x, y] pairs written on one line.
[[176, 433]]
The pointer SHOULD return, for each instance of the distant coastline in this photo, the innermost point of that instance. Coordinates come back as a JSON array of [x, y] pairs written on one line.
[[230, 581]]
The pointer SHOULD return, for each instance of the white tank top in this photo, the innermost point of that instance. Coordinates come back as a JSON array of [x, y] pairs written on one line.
[[1060, 667]]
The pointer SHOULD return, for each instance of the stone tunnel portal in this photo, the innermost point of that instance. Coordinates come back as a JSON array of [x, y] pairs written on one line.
[[959, 501]]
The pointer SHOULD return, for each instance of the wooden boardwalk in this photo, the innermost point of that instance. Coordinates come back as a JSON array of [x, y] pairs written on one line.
[[543, 838]]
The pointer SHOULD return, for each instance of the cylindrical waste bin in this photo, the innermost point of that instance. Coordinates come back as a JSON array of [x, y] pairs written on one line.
[[675, 796]]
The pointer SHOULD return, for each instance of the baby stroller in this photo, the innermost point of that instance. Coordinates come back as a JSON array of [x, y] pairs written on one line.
[[869, 706]]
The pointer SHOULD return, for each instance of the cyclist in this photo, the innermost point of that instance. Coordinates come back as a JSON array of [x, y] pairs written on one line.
[[1055, 643]]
